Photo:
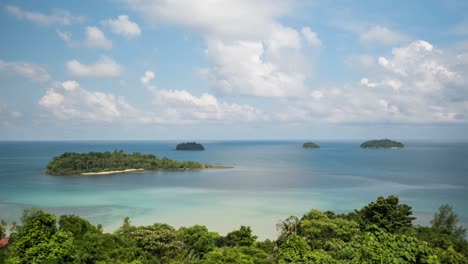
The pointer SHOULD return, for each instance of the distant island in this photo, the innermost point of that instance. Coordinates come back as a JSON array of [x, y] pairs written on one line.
[[310, 145], [383, 143], [95, 163], [189, 146]]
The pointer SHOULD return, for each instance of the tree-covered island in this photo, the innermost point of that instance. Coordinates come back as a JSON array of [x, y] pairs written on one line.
[[310, 145], [72, 163], [190, 146], [382, 143]]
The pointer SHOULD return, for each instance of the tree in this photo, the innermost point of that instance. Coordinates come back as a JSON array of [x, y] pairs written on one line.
[[288, 226], [241, 237], [447, 219], [38, 241], [197, 239], [386, 213], [326, 231], [3, 225]]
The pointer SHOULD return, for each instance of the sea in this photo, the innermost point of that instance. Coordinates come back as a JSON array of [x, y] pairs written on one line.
[[269, 181]]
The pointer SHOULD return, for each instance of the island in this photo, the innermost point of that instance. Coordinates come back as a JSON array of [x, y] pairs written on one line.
[[96, 163], [310, 145], [382, 143], [189, 146]]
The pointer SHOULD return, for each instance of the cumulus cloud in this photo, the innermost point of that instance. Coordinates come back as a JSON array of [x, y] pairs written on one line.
[[236, 19], [147, 77], [249, 50], [69, 101], [123, 26], [95, 38], [382, 35], [417, 84], [57, 16], [104, 67], [31, 71], [180, 106], [311, 37]]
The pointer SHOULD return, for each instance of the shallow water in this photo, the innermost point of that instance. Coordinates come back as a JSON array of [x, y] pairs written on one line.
[[270, 181]]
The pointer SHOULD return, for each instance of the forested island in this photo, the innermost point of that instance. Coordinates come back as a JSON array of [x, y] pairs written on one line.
[[190, 146], [380, 232], [382, 143], [72, 163], [310, 145]]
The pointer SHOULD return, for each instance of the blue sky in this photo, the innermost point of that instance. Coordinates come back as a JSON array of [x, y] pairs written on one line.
[[244, 69]]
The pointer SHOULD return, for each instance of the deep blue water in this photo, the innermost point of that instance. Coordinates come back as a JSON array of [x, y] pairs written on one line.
[[270, 181]]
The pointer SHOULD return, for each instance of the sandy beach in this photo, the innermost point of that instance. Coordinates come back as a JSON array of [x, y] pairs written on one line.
[[111, 172]]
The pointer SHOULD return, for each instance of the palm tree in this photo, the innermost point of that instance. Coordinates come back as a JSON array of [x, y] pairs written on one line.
[[288, 226]]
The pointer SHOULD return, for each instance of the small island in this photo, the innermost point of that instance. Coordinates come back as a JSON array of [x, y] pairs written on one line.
[[310, 145], [383, 143], [96, 163], [189, 146]]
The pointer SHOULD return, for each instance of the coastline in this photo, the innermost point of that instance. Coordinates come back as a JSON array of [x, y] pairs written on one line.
[[111, 172], [212, 167]]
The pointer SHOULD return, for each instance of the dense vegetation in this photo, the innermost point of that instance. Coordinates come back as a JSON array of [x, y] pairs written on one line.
[[381, 232], [71, 163], [383, 143], [190, 146], [310, 145]]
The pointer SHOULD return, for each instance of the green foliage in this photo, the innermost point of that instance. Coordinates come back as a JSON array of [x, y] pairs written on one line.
[[190, 146], [158, 239], [237, 255], [447, 219], [39, 241], [287, 227], [3, 225], [310, 145], [71, 163], [386, 213], [383, 143], [326, 231], [241, 237], [197, 239], [318, 237], [380, 246]]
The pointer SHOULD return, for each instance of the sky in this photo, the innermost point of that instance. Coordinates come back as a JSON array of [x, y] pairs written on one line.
[[233, 69]]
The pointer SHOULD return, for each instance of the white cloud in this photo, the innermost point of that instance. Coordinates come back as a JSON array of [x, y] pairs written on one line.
[[180, 106], [147, 77], [104, 67], [417, 84], [311, 37], [241, 68], [249, 50], [58, 16], [244, 19], [95, 38], [123, 26], [31, 71], [69, 101], [70, 85], [81, 104], [65, 36], [382, 35]]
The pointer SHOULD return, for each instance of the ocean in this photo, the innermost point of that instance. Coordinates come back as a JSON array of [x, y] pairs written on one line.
[[269, 181]]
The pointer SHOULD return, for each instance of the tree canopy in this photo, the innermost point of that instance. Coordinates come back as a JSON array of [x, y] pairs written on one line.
[[380, 232], [72, 163]]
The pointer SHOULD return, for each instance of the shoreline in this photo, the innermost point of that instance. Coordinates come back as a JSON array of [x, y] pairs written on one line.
[[209, 167], [110, 172]]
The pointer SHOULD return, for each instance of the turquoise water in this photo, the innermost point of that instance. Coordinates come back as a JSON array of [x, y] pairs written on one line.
[[270, 181]]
